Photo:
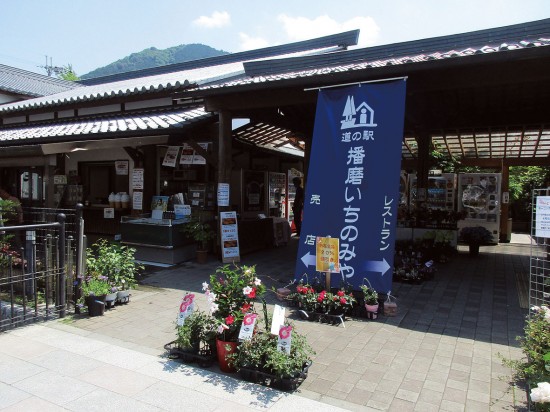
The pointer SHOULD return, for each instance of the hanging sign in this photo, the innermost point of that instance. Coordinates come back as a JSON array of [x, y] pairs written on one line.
[[121, 167], [229, 237], [171, 156], [542, 227], [223, 194], [352, 191], [137, 178]]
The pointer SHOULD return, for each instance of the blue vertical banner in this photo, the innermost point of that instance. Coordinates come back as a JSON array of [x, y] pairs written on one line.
[[352, 190]]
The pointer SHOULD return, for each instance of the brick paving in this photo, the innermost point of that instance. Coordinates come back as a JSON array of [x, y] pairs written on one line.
[[440, 353]]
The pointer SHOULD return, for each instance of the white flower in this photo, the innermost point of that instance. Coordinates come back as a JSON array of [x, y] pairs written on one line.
[[248, 271], [535, 308], [247, 290], [541, 394], [204, 286], [212, 297], [222, 327], [257, 282], [213, 307]]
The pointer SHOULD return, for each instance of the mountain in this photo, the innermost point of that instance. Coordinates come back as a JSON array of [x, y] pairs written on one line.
[[154, 57]]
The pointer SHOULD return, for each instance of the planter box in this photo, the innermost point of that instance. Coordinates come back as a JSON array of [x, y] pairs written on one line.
[[205, 357], [322, 317], [267, 379]]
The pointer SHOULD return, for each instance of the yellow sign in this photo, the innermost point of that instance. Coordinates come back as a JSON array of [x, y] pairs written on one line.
[[326, 259]]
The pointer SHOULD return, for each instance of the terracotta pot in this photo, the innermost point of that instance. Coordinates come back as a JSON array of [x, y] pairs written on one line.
[[202, 256], [224, 349]]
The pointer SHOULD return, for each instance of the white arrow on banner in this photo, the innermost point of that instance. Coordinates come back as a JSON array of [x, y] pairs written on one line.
[[381, 266], [308, 259]]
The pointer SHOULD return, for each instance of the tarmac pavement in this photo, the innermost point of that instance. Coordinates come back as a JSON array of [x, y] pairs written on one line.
[[440, 353]]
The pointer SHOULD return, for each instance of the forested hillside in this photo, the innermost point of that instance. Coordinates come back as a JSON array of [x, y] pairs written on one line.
[[154, 57]]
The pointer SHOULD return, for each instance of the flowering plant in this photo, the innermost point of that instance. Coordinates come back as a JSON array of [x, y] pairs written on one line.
[[535, 368], [231, 294], [476, 235], [370, 294], [96, 286]]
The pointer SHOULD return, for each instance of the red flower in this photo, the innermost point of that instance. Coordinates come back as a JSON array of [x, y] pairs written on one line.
[[340, 293], [311, 290], [245, 308], [252, 294], [320, 299], [343, 301], [229, 320], [335, 298]]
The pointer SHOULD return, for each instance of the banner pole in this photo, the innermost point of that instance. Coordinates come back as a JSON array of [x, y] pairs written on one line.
[[391, 79]]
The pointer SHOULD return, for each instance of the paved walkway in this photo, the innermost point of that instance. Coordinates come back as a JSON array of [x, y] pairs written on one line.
[[440, 353]]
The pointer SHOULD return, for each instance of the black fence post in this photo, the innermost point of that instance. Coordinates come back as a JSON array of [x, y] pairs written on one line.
[[80, 250], [61, 295]]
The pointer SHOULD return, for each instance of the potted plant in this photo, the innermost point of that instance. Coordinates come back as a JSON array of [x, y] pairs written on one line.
[[259, 360], [94, 290], [231, 294], [201, 232], [196, 340], [117, 263], [370, 297], [475, 236]]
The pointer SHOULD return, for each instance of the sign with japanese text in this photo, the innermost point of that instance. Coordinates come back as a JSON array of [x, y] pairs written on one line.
[[326, 255], [352, 191], [247, 327], [542, 227], [137, 178], [186, 308], [229, 237]]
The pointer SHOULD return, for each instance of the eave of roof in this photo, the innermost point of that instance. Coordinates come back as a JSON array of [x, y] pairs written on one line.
[[99, 127]]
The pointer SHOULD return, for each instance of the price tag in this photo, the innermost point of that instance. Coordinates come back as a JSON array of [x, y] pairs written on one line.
[[186, 308], [278, 319], [285, 338], [247, 327]]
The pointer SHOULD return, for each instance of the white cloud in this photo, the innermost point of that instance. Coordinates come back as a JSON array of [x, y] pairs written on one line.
[[251, 43], [217, 19], [302, 28]]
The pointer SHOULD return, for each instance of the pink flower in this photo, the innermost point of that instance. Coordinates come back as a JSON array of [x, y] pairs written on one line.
[[343, 301], [252, 294], [284, 332], [340, 293], [229, 320]]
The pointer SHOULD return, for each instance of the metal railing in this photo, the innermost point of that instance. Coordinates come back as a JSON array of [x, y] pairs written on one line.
[[39, 276]]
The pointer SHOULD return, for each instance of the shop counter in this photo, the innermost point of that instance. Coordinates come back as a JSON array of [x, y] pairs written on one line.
[[157, 240]]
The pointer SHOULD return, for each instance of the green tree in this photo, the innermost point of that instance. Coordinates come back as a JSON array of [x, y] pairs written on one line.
[[67, 73]]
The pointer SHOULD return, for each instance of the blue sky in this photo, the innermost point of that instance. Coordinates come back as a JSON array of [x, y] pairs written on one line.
[[93, 33]]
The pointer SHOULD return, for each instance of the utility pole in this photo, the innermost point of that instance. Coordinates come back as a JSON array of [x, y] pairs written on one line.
[[50, 69]]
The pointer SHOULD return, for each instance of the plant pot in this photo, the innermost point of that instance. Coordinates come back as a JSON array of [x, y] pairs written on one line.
[[110, 300], [224, 349], [372, 311], [202, 256], [123, 296], [473, 249], [96, 305]]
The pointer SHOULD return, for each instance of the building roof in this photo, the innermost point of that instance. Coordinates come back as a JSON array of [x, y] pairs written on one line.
[[482, 42], [26, 83], [342, 40], [95, 127]]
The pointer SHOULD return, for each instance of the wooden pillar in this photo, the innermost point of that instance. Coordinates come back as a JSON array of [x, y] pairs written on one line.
[[224, 147], [423, 163], [150, 177], [504, 207], [224, 164]]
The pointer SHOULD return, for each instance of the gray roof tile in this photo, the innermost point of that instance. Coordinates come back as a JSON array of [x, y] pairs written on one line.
[[99, 125], [23, 82]]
